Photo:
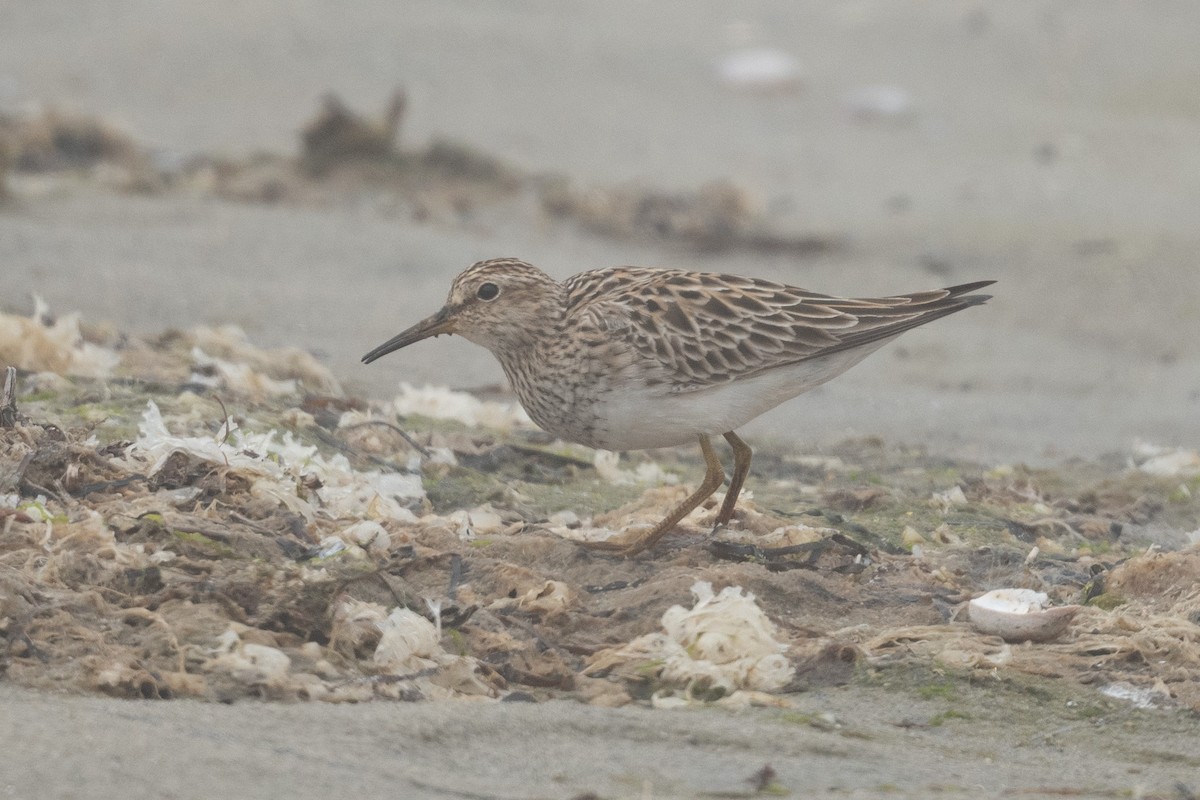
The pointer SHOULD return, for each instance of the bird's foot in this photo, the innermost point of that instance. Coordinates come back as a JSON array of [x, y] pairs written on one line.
[[627, 543], [732, 525]]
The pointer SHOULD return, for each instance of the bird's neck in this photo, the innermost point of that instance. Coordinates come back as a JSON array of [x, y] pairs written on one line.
[[529, 352], [541, 375]]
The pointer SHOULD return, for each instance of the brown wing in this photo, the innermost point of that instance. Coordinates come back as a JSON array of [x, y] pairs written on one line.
[[705, 329]]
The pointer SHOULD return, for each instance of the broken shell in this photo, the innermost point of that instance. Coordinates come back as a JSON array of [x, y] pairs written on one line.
[[760, 69], [1019, 615]]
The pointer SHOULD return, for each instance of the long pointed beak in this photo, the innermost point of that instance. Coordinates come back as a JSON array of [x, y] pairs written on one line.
[[439, 323]]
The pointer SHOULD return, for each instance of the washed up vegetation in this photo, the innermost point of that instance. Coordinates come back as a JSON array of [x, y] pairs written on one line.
[[347, 156], [190, 515]]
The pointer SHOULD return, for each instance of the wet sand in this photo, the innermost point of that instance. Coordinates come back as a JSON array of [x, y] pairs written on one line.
[[77, 747]]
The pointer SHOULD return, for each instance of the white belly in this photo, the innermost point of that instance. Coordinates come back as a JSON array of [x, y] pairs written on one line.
[[640, 418]]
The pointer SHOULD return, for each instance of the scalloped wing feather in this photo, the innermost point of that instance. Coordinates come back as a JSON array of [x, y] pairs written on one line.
[[707, 329]]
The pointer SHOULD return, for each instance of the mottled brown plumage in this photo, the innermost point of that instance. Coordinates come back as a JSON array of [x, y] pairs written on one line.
[[629, 358]]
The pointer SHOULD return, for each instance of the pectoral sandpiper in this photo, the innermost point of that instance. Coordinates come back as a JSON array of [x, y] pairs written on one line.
[[630, 358]]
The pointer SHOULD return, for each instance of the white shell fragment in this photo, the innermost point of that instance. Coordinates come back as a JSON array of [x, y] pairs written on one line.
[[409, 642], [369, 535], [878, 102], [760, 69], [1165, 462], [1019, 615], [607, 464], [248, 662], [440, 402]]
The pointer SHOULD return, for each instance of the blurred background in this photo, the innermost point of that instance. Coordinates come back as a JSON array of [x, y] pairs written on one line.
[[317, 174]]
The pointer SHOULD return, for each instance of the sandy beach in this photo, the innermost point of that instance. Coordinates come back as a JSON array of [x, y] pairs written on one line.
[[1049, 146]]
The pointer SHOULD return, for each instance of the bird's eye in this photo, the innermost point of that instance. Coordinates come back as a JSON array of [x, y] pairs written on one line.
[[487, 291]]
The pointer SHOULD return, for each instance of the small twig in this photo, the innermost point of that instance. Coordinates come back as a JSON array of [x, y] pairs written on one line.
[[1048, 735], [354, 452], [8, 401], [404, 434], [613, 586], [444, 788], [64, 495], [19, 475], [456, 565], [549, 455], [105, 486], [251, 524], [224, 418], [66, 500], [400, 601]]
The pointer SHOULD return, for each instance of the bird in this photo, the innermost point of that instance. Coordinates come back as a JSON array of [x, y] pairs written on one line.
[[633, 358]]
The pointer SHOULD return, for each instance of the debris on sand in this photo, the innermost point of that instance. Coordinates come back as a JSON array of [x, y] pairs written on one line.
[[274, 465], [43, 343], [271, 538], [717, 217], [347, 156], [1166, 461], [202, 358], [223, 357], [1019, 615], [608, 466], [54, 141], [722, 644], [439, 402], [409, 655], [338, 134]]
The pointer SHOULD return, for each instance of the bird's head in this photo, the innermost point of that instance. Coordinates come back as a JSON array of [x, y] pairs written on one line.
[[503, 304]]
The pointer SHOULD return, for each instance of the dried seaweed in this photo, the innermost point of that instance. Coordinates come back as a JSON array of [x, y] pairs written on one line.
[[265, 542]]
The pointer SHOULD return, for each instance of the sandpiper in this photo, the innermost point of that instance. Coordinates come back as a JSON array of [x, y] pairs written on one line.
[[631, 358]]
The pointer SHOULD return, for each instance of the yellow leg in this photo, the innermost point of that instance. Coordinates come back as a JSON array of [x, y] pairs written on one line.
[[713, 476], [741, 467]]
